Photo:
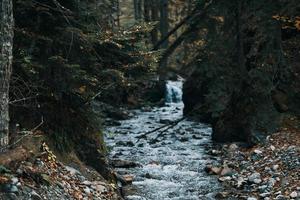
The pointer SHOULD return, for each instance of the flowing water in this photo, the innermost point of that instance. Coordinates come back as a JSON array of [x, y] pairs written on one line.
[[171, 165]]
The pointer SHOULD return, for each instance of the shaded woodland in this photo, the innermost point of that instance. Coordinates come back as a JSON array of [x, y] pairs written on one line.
[[69, 68]]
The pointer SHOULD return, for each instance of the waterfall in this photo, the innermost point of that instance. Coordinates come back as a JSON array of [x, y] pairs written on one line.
[[174, 91]]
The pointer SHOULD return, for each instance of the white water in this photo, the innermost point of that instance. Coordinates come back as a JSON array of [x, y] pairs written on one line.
[[174, 91], [172, 167]]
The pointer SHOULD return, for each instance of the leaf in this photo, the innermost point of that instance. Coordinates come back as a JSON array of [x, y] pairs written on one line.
[[82, 89]]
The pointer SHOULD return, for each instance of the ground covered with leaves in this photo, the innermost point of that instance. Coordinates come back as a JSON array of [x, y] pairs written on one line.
[[266, 171], [44, 177]]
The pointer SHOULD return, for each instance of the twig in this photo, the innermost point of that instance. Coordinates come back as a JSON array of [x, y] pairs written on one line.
[[167, 126], [98, 94], [23, 99], [171, 126], [27, 133]]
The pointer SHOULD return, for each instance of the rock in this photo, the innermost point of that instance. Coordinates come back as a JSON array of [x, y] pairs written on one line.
[[88, 183], [99, 188], [14, 189], [257, 151], [19, 171], [280, 197], [272, 148], [251, 198], [141, 145], [111, 122], [197, 137], [294, 194], [240, 181], [225, 178], [117, 114], [123, 163], [212, 170], [71, 170], [14, 180], [233, 147], [215, 152], [254, 178], [165, 121], [271, 182], [275, 167], [221, 195], [35, 196], [226, 171], [266, 194], [9, 196], [128, 179], [183, 139], [146, 109], [125, 143], [263, 188], [87, 190]]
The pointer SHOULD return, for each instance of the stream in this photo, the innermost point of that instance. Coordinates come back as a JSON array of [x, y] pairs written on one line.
[[172, 166]]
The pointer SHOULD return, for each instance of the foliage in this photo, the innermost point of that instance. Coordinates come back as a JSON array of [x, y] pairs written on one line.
[[242, 66], [64, 51]]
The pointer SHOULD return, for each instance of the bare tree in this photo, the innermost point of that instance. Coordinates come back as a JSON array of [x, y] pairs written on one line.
[[6, 44]]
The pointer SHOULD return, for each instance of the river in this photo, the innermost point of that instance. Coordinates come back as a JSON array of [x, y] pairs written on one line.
[[172, 165]]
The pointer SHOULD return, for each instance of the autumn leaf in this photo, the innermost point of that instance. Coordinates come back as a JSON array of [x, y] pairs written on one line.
[[82, 89]]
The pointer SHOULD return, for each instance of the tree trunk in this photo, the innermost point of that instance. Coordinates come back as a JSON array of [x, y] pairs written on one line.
[[154, 17], [164, 21], [147, 11], [6, 44], [138, 9]]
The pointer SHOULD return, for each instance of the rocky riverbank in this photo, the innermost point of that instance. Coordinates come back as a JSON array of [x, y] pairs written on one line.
[[267, 171], [42, 176]]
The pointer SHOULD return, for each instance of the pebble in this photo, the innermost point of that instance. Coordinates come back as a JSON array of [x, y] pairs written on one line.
[[14, 189], [258, 151], [87, 183], [251, 198], [275, 167], [72, 170], [272, 148], [87, 190], [233, 147], [254, 178], [226, 171], [280, 197], [271, 182], [35, 196], [294, 194], [9, 196], [14, 180], [266, 194]]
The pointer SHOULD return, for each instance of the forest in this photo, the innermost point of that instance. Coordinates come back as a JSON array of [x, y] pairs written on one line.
[[149, 99]]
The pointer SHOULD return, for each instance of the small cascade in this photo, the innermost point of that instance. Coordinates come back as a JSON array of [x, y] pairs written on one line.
[[174, 91]]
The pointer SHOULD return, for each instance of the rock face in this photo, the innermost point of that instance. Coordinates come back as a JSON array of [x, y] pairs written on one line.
[[234, 116]]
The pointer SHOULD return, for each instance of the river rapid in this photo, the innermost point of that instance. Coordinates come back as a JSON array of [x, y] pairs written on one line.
[[172, 165]]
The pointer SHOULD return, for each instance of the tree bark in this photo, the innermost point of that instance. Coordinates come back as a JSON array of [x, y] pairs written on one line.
[[154, 17], [147, 11], [6, 44], [137, 9], [164, 21]]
